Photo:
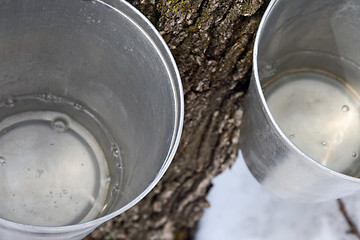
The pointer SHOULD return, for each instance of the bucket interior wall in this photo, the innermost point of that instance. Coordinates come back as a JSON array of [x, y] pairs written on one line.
[[92, 53], [299, 27]]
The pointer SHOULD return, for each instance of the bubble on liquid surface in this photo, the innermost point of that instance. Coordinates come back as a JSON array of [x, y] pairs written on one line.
[[345, 108], [118, 167], [108, 179], [60, 124], [10, 102], [354, 154], [324, 143], [115, 150], [65, 191], [268, 67], [116, 188], [269, 70], [2, 161], [78, 106], [49, 97], [41, 96], [292, 136]]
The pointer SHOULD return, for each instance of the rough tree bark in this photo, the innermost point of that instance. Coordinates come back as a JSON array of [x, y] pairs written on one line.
[[211, 41]]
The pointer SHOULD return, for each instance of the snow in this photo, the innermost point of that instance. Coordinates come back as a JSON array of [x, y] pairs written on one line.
[[242, 209]]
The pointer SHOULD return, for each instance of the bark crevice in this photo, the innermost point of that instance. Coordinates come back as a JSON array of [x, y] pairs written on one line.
[[211, 41]]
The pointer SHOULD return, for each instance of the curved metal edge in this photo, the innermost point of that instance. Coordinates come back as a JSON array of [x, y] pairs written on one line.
[[173, 71], [263, 22]]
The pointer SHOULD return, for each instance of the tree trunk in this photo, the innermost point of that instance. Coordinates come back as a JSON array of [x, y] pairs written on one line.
[[211, 41]]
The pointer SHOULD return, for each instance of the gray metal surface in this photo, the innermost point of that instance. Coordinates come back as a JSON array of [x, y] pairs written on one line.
[[297, 35], [107, 55]]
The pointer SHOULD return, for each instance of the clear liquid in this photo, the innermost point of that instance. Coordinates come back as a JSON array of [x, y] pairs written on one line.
[[320, 115], [53, 170]]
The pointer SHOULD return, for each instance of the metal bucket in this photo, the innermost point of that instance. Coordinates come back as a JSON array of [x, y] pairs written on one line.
[[91, 112], [301, 122]]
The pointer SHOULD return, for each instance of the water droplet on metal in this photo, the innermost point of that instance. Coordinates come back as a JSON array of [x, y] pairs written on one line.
[[2, 161], [345, 108]]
